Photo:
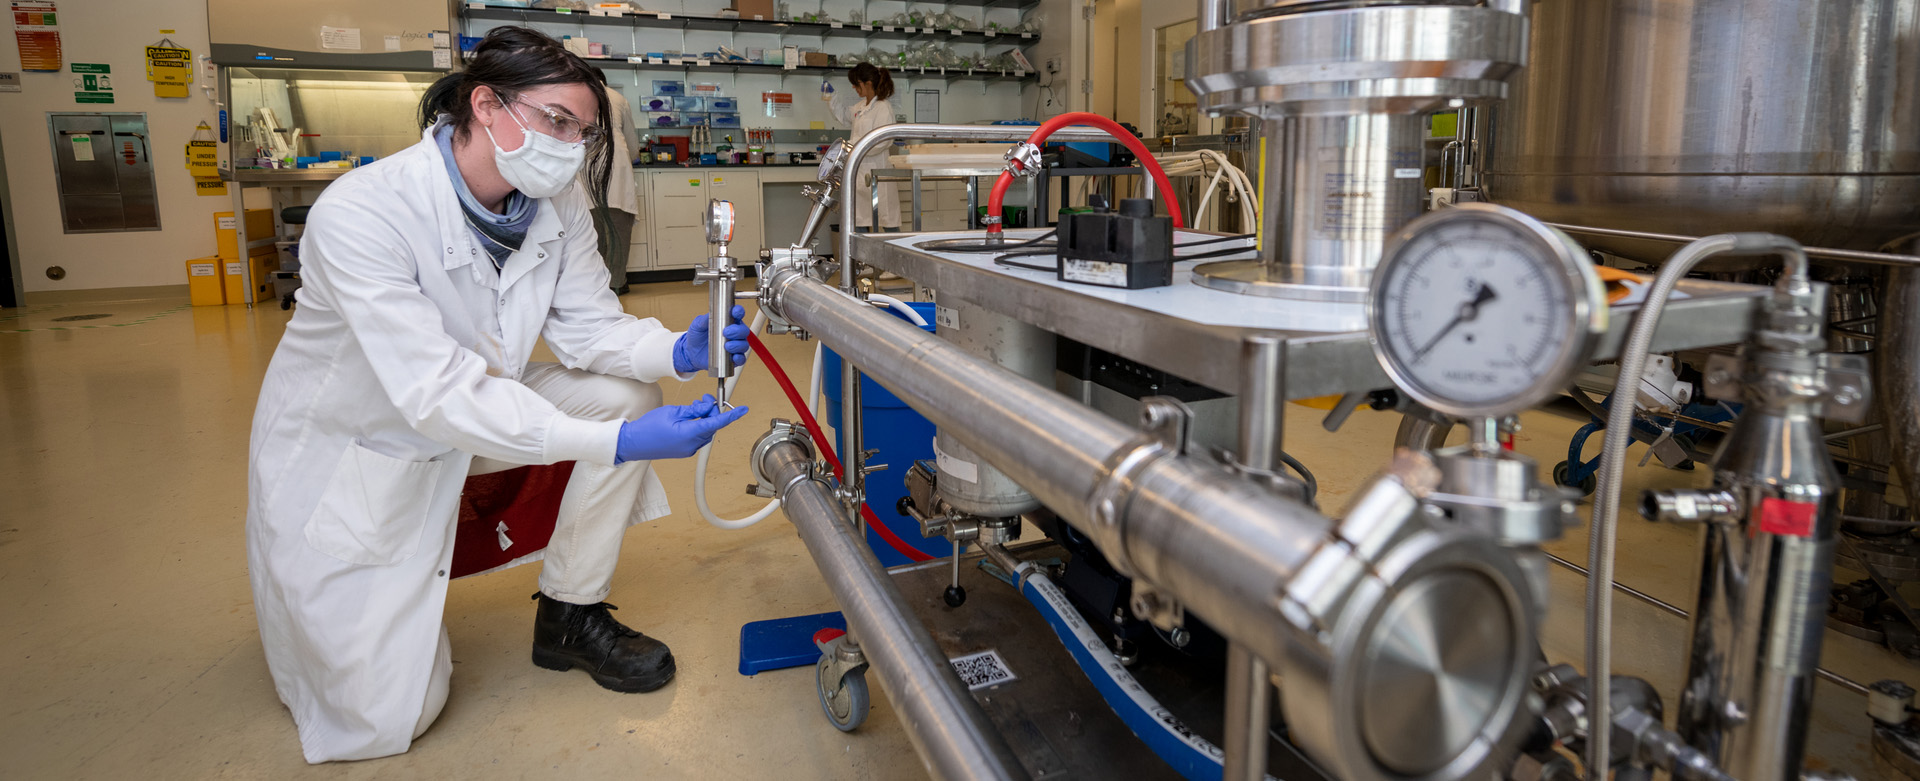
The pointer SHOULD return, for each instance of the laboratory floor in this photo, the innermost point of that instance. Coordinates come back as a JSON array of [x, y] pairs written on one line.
[[130, 647]]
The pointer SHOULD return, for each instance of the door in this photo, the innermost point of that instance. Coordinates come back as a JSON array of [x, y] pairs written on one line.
[[679, 204], [103, 169]]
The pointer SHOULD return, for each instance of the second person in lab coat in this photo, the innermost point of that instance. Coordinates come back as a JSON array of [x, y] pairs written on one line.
[[872, 110]]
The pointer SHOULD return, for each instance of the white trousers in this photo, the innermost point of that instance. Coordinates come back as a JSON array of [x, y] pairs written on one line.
[[599, 503]]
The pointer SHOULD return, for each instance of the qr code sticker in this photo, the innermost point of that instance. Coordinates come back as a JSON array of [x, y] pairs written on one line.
[[981, 670]]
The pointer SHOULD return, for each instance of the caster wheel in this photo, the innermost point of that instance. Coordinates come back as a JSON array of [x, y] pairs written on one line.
[[902, 506], [286, 304], [1586, 486], [955, 596], [845, 701]]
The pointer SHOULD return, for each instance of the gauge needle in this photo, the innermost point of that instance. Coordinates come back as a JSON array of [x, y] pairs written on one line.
[[1468, 311]]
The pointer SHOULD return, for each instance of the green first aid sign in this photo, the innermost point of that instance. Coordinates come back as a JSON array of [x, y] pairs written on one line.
[[92, 82]]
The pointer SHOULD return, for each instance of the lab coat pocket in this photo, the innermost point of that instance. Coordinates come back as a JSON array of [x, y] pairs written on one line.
[[373, 508]]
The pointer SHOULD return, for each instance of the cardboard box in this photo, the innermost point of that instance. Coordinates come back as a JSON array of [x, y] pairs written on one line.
[[265, 261], [754, 9], [817, 60], [259, 231], [203, 282]]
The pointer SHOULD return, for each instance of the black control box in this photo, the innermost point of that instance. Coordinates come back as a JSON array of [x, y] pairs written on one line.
[[1130, 248]]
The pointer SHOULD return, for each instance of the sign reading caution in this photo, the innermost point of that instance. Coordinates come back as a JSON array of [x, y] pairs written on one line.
[[170, 69]]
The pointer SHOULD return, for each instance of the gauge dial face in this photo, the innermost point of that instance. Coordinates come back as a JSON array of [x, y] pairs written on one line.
[[830, 162], [1483, 311]]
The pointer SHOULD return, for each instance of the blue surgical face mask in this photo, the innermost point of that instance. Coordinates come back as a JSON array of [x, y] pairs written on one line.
[[543, 166]]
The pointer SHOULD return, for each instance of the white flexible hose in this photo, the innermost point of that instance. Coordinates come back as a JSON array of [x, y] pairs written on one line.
[[706, 453], [813, 395]]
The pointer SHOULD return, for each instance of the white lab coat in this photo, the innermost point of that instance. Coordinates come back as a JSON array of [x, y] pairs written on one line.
[[620, 190], [399, 367], [866, 115]]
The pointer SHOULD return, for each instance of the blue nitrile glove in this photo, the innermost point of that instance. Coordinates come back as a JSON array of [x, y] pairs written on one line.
[[673, 431], [690, 353]]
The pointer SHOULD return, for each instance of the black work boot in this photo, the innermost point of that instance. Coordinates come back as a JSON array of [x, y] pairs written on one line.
[[566, 636]]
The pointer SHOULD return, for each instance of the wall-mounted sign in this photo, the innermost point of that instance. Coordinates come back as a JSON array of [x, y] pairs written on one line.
[[170, 69], [92, 82], [36, 29], [10, 81]]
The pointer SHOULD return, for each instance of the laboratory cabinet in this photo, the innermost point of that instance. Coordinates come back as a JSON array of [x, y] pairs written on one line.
[[676, 207]]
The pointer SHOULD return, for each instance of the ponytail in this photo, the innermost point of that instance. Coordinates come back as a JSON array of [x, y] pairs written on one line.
[[880, 78]]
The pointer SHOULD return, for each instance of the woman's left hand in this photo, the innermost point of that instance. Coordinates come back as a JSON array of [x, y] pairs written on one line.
[[690, 352]]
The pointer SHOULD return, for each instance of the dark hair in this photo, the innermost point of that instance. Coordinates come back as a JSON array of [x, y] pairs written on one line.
[[867, 73], [599, 74], [508, 61]]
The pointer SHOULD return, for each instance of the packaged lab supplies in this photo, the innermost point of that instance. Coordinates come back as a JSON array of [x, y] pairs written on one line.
[[731, 105], [669, 87], [689, 104], [663, 119], [724, 120]]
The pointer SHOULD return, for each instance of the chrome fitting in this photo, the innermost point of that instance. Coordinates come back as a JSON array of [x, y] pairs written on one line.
[[1023, 159], [1680, 506], [778, 432]]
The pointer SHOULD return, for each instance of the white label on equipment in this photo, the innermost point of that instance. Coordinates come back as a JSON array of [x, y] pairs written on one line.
[[1094, 272], [82, 147], [964, 471], [442, 58], [393, 43], [1406, 173], [202, 270], [978, 671], [226, 223], [946, 316], [236, 268], [340, 38]]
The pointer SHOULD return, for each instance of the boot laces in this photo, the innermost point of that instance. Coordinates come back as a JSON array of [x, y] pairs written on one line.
[[593, 623]]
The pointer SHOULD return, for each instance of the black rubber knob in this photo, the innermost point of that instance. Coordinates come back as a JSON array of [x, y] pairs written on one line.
[[955, 596], [1136, 207], [901, 507]]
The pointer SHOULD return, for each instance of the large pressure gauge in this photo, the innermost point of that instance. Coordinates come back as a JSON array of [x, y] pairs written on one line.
[[1482, 311]]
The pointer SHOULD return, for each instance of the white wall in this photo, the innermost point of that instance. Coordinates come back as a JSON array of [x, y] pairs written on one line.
[[114, 32], [1155, 14]]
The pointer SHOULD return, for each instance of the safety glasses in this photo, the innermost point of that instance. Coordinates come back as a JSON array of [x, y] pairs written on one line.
[[559, 124]]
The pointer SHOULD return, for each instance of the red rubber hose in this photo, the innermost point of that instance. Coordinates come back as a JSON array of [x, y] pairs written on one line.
[[1039, 136], [820, 441]]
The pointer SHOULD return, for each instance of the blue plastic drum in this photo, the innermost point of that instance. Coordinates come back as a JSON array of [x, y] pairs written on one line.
[[901, 435]]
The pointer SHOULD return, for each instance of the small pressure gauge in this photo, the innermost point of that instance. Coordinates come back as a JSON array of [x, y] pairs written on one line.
[[1482, 311], [719, 221], [831, 161]]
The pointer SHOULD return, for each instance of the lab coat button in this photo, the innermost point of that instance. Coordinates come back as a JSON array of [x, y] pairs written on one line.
[[443, 573], [563, 234], [449, 250], [543, 255]]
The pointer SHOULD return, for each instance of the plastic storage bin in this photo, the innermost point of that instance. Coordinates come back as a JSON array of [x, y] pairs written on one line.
[[901, 435]]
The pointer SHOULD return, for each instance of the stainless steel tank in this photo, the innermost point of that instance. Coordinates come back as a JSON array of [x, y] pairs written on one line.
[[1798, 117]]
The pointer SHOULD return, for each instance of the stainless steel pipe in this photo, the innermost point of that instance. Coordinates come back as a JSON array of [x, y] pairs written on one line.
[[952, 734], [1897, 355]]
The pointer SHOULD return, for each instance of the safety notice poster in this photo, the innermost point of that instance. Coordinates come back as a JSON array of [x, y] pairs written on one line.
[[36, 28]]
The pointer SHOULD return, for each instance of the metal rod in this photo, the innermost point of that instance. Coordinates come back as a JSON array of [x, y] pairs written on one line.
[[947, 727], [1678, 612], [1263, 401], [1823, 253]]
